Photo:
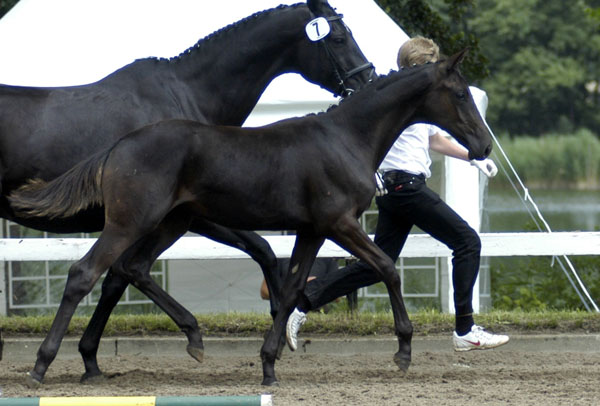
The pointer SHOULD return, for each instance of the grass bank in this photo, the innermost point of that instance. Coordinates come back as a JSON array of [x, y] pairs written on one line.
[[554, 160], [252, 324]]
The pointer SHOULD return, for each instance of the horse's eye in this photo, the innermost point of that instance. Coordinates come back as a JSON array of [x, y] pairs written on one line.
[[338, 40], [461, 95]]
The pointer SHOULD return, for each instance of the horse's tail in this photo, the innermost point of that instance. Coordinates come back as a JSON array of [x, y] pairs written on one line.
[[75, 190]]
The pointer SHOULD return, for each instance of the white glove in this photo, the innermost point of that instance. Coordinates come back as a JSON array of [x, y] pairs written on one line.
[[380, 189], [487, 166]]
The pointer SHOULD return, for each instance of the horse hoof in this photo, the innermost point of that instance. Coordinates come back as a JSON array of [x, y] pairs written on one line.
[[89, 379], [32, 382], [196, 353], [402, 362], [270, 382]]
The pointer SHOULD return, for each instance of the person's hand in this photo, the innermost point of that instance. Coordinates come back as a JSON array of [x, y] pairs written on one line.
[[380, 189], [487, 166]]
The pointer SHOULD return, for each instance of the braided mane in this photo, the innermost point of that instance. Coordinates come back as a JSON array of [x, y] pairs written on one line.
[[374, 83], [206, 41]]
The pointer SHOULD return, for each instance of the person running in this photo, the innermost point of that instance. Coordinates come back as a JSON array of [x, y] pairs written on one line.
[[410, 202]]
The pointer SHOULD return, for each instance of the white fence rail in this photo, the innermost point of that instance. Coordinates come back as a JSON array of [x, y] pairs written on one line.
[[417, 246]]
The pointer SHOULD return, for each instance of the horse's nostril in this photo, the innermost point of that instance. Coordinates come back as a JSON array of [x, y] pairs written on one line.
[[488, 150]]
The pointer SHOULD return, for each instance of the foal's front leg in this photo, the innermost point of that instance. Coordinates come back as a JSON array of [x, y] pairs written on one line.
[[306, 249], [349, 235]]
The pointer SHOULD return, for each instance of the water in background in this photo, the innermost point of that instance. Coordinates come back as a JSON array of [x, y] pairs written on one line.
[[524, 282], [564, 210]]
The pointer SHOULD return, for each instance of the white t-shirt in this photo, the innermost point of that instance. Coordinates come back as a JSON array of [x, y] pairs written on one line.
[[410, 152]]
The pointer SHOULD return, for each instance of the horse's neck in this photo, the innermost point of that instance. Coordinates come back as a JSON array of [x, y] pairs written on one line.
[[378, 117], [236, 65]]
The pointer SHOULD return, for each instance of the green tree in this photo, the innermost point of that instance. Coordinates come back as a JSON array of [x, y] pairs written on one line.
[[449, 30], [594, 13], [6, 5], [537, 59], [544, 64]]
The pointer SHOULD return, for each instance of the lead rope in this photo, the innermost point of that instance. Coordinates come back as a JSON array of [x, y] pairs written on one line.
[[527, 197]]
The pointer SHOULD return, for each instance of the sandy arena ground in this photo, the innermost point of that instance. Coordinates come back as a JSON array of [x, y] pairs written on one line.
[[493, 377]]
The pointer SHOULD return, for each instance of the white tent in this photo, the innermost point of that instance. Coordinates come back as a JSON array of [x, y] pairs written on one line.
[[71, 42]]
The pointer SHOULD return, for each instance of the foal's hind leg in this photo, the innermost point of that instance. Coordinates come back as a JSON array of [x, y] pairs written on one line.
[[134, 265], [112, 289], [82, 277], [349, 234]]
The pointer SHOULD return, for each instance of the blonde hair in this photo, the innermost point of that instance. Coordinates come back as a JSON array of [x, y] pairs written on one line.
[[417, 51]]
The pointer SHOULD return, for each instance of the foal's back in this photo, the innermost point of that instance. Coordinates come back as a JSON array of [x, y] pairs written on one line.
[[275, 170]]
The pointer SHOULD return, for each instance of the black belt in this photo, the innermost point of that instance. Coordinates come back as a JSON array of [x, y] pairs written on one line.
[[396, 176]]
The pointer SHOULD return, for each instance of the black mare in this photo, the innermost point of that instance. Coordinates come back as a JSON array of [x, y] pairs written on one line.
[[46, 131], [322, 183]]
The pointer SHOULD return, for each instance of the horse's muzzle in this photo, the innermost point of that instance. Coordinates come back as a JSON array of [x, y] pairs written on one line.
[[484, 154]]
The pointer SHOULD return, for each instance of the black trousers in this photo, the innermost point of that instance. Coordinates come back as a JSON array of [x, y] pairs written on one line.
[[409, 202]]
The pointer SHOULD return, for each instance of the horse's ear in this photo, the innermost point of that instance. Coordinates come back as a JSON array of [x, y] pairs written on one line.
[[456, 59], [316, 6]]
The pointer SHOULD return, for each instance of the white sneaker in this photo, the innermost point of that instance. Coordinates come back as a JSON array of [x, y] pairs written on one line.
[[295, 321], [478, 339]]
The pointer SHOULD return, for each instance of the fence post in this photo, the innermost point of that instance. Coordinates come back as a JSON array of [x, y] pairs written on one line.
[[461, 189]]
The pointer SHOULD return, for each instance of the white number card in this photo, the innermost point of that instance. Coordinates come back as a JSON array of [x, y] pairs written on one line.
[[317, 29]]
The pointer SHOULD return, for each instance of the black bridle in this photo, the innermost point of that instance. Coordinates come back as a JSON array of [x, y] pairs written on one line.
[[341, 75]]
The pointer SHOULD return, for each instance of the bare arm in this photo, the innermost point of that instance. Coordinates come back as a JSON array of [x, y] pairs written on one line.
[[445, 146]]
